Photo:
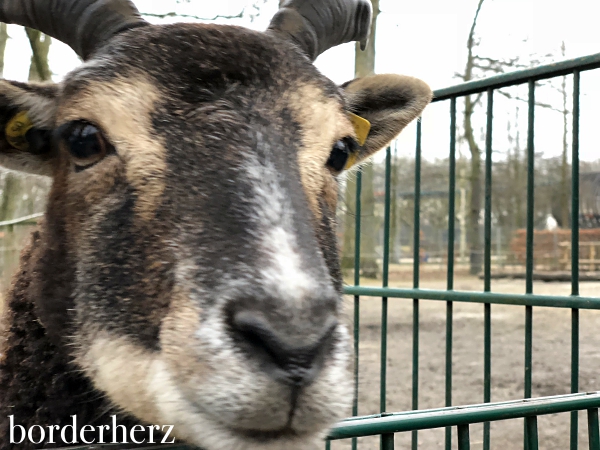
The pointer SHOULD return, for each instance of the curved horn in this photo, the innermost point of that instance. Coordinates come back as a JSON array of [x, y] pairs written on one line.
[[318, 25], [83, 25]]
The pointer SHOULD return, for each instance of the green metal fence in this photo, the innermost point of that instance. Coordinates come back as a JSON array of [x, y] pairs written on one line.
[[386, 424]]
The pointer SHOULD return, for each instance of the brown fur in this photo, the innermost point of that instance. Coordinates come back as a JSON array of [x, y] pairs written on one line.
[[123, 110], [214, 205], [325, 122], [26, 345]]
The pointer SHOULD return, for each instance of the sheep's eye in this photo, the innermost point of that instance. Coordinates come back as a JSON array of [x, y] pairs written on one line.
[[342, 151], [85, 143]]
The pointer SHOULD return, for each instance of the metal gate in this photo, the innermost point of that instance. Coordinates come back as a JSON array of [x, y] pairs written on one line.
[[386, 424]]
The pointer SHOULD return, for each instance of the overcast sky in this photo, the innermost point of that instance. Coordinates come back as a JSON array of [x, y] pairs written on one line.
[[427, 39]]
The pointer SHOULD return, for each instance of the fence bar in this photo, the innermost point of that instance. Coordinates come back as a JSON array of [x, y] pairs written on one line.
[[27, 220], [519, 77], [385, 278], [450, 278], [487, 313], [593, 432], [575, 256], [386, 270], [357, 229], [416, 267], [530, 188], [529, 260], [487, 270], [417, 211], [553, 301], [449, 333], [387, 441], [532, 432], [574, 375], [528, 361], [575, 187], [452, 197], [462, 415], [415, 370], [463, 437], [487, 368]]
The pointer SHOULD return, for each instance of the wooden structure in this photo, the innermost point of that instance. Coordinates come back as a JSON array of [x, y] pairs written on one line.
[[552, 249]]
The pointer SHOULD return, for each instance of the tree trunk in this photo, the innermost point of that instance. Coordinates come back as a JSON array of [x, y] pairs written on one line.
[[520, 173], [364, 66], [368, 257], [365, 60], [394, 228], [11, 194], [4, 202], [349, 224], [39, 70], [565, 190], [474, 226], [3, 40]]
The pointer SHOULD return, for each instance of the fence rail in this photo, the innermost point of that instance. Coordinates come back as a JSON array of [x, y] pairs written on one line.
[[554, 301], [568, 67], [27, 220], [380, 424]]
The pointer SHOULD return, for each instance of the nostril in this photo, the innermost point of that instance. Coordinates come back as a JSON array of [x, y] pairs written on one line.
[[290, 363], [255, 332]]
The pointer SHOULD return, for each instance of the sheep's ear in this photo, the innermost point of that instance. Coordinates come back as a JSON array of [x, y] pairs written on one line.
[[27, 116], [388, 103]]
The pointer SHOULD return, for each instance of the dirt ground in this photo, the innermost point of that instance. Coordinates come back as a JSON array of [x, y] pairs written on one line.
[[551, 360]]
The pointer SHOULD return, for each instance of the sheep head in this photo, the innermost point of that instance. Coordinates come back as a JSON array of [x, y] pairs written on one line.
[[190, 259]]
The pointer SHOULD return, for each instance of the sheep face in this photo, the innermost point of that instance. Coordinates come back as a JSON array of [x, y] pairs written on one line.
[[190, 258]]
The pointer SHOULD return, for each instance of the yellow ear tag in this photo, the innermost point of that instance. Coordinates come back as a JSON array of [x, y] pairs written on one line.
[[361, 127], [352, 158], [17, 128]]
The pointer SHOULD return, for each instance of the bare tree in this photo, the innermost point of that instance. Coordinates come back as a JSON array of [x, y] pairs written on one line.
[[563, 213], [477, 66], [473, 227]]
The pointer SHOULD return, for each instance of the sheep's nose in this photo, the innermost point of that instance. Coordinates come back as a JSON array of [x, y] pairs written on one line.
[[295, 363]]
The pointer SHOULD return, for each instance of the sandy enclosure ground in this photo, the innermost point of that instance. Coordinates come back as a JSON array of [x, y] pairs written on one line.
[[551, 360]]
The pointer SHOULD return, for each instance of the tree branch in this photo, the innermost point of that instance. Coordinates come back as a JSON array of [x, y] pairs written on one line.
[[541, 105], [488, 68], [471, 42], [188, 16], [510, 62]]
